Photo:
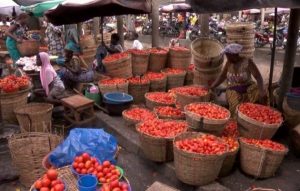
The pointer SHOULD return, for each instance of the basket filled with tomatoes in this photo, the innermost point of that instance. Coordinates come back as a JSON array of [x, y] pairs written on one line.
[[138, 87], [156, 137], [233, 148], [139, 60], [136, 115], [113, 85], [189, 78], [158, 81], [258, 121], [190, 94], [207, 117], [158, 59], [154, 99], [198, 157], [179, 57], [84, 164], [261, 158], [175, 77], [118, 65], [49, 181], [168, 112], [231, 129], [116, 186]]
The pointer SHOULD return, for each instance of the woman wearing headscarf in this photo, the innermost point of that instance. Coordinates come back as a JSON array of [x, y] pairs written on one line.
[[16, 33], [239, 71], [51, 83]]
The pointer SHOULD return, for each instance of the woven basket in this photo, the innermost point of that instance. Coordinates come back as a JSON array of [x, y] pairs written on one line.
[[213, 126], [28, 150], [175, 80], [183, 100], [228, 163], [156, 149], [240, 27], [87, 41], [251, 128], [138, 92], [104, 88], [157, 62], [189, 78], [35, 117], [193, 168], [139, 63], [10, 101], [128, 121], [205, 77], [121, 68], [258, 162], [207, 53], [179, 59], [170, 117], [28, 47], [158, 85], [152, 104]]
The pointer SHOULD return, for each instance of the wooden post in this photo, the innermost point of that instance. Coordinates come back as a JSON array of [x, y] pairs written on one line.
[[96, 27], [120, 29], [155, 23], [262, 11], [290, 55], [204, 21]]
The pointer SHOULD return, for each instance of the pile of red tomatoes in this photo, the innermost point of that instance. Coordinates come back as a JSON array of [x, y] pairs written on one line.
[[138, 80], [158, 51], [208, 110], [161, 97], [170, 71], [168, 111], [115, 57], [265, 144], [113, 81], [231, 129], [139, 114], [49, 182], [191, 91], [155, 75], [13, 83]]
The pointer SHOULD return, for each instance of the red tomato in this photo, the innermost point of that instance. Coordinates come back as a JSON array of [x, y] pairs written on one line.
[[114, 184], [168, 111], [190, 91], [52, 174], [106, 164], [59, 187], [161, 97], [88, 164], [81, 165], [138, 80], [102, 180], [105, 170], [208, 110], [75, 165], [44, 189], [38, 184], [83, 171], [231, 129], [99, 168], [86, 156], [80, 159], [116, 189], [154, 76], [139, 114], [53, 183], [100, 175], [46, 182]]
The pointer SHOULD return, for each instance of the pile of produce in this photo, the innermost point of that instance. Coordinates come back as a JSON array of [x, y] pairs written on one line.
[[138, 80], [261, 113], [162, 128], [113, 81], [190, 91], [161, 97], [115, 186], [13, 83], [137, 51], [49, 182], [168, 111], [26, 61], [232, 143], [158, 51], [85, 164], [179, 48], [170, 71], [208, 110], [154, 75], [139, 114], [107, 172], [265, 144], [115, 57], [206, 144], [231, 129]]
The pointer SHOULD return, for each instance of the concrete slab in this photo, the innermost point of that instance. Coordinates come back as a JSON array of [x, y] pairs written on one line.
[[213, 187], [161, 187]]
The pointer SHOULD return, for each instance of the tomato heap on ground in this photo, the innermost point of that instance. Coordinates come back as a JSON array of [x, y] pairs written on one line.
[[261, 113], [169, 71], [158, 51], [265, 144], [161, 97], [208, 110], [139, 114], [163, 128], [115, 57], [85, 164], [205, 144], [138, 80], [154, 75], [115, 186], [190, 91], [231, 129], [232, 143], [168, 111], [113, 81], [13, 83], [49, 182]]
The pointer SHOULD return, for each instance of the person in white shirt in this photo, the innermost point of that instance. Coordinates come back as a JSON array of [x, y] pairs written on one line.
[[136, 43]]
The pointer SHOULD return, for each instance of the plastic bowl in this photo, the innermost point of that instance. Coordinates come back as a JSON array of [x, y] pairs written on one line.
[[117, 98], [116, 108], [87, 183]]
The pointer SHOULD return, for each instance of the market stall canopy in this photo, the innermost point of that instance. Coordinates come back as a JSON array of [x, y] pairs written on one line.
[[39, 9], [251, 11], [214, 6], [7, 7], [176, 7], [28, 2], [74, 11]]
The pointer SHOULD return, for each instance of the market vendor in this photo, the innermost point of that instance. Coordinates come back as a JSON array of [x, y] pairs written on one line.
[[54, 39], [16, 33], [238, 71], [115, 45], [75, 70], [52, 85]]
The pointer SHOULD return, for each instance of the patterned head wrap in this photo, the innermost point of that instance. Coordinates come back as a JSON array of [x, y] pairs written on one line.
[[233, 49]]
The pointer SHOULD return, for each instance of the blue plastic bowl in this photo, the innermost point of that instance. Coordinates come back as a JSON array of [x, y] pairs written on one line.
[[87, 183], [117, 98]]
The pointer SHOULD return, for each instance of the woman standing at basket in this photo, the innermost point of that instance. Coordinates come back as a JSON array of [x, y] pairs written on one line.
[[238, 71], [16, 34]]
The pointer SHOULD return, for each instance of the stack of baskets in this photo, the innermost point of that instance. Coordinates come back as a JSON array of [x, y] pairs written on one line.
[[208, 59], [242, 33], [88, 47], [139, 63], [138, 91], [29, 47], [157, 61], [179, 59]]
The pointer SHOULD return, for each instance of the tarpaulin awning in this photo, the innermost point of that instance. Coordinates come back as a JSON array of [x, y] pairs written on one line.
[[74, 11], [176, 7], [7, 6], [214, 6], [28, 2], [39, 9]]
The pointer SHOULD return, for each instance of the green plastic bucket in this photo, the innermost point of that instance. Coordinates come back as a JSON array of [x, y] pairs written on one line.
[[92, 96]]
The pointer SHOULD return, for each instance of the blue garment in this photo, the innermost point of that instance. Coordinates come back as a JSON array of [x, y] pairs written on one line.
[[71, 45], [11, 45]]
